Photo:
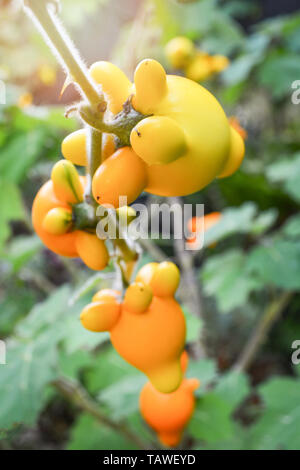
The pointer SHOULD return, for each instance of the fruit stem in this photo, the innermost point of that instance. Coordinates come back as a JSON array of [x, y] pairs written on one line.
[[62, 46], [94, 157]]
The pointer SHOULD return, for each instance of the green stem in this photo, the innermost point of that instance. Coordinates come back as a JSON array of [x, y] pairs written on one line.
[[85, 213], [63, 47], [94, 153], [121, 125], [261, 331]]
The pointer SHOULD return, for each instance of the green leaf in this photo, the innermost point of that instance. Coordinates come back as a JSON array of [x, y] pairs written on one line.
[[21, 250], [30, 367], [204, 370], [278, 72], [108, 369], [12, 307], [193, 326], [277, 262], [225, 277], [71, 365], [88, 434], [212, 419], [287, 171], [47, 313], [233, 387], [292, 227], [87, 287], [243, 219], [122, 398], [76, 337], [11, 208], [20, 154], [278, 427]]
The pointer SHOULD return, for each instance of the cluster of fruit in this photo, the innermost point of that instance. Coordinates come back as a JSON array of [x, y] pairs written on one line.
[[53, 218], [148, 330], [195, 64], [181, 142], [166, 135]]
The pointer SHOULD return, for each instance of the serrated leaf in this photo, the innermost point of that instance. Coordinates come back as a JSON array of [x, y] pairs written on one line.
[[205, 370], [30, 367], [108, 369], [88, 434], [278, 71], [20, 154], [287, 172], [71, 365], [122, 398], [233, 387], [292, 227], [225, 277], [212, 419], [45, 314], [278, 427], [277, 263], [243, 219]]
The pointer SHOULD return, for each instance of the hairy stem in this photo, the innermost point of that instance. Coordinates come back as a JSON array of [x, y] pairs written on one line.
[[63, 48], [261, 331]]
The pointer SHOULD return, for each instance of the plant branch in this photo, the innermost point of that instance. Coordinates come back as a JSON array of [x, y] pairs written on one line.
[[261, 331], [63, 48], [191, 290], [94, 153], [76, 394]]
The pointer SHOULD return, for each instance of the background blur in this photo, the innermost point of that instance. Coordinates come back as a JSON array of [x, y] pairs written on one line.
[[247, 277]]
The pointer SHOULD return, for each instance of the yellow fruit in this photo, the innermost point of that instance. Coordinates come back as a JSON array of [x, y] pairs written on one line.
[[114, 84], [47, 74], [168, 140], [165, 280], [180, 51], [100, 316], [146, 273], [236, 156], [57, 221], [121, 175], [25, 100], [151, 90], [200, 68], [219, 63], [138, 297], [92, 250], [106, 295], [175, 163], [74, 147], [66, 182]]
